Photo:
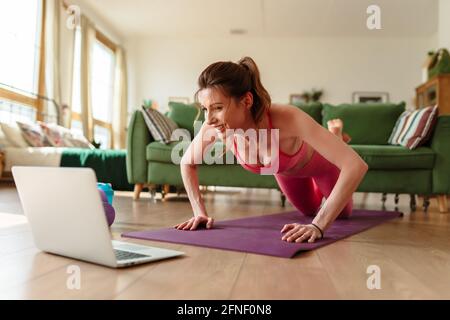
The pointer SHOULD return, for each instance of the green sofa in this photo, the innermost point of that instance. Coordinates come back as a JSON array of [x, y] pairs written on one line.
[[392, 169]]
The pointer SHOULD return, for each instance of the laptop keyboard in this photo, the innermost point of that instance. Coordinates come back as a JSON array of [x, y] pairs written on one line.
[[125, 255]]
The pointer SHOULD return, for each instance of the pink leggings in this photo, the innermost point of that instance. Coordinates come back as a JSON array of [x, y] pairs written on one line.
[[310, 184]]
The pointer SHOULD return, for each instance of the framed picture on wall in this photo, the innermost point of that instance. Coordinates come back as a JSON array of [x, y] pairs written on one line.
[[184, 100], [368, 96], [296, 98]]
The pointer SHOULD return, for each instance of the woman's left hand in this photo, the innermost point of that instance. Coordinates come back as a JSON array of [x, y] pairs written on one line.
[[296, 232]]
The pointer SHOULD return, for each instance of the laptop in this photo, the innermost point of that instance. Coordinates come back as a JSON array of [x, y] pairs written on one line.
[[66, 215]]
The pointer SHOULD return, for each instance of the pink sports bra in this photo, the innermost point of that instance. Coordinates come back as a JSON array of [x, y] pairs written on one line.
[[286, 161]]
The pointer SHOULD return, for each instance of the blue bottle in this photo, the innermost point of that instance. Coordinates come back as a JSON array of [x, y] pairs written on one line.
[[107, 194], [107, 189]]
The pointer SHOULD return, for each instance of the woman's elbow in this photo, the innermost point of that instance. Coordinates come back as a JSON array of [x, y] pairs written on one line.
[[357, 167], [186, 163], [361, 167]]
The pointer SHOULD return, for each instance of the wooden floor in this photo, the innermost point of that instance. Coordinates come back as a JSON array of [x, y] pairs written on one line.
[[412, 252]]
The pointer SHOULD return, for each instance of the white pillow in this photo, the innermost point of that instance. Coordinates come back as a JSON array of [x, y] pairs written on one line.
[[14, 135], [79, 141], [56, 135], [4, 143]]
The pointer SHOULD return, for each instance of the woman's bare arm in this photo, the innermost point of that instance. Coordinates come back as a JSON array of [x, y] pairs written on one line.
[[188, 166], [352, 166]]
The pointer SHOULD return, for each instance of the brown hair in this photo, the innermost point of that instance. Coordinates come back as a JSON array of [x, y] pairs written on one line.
[[235, 80]]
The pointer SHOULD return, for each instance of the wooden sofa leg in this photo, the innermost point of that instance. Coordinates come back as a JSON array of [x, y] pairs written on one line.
[[443, 206], [137, 190], [283, 199], [383, 200], [426, 203], [165, 190], [412, 202], [152, 189]]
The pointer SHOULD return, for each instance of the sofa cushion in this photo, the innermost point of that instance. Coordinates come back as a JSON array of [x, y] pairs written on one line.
[[59, 136], [4, 143], [159, 152], [14, 135], [376, 156], [184, 115], [77, 140], [33, 134], [414, 128], [366, 123], [396, 157], [313, 109], [160, 126], [55, 135]]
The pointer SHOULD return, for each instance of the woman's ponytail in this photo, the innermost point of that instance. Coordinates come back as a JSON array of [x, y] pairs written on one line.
[[261, 98]]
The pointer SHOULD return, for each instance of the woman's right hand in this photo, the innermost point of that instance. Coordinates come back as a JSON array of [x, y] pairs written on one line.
[[194, 222]]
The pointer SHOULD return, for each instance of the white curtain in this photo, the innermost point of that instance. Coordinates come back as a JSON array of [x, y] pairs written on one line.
[[120, 106], [67, 48], [52, 59], [87, 29]]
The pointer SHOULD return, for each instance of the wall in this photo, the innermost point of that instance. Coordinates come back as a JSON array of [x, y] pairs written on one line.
[[444, 23], [67, 42], [163, 67]]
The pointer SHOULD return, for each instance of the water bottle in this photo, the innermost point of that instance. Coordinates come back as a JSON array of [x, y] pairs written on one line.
[[107, 188], [107, 193]]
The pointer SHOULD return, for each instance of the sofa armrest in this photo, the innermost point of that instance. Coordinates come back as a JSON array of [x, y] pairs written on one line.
[[138, 137], [441, 145]]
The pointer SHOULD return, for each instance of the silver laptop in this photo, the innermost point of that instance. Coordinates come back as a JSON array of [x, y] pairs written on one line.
[[65, 211]]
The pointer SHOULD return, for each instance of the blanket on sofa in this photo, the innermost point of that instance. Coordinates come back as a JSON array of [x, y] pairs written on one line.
[[109, 165]]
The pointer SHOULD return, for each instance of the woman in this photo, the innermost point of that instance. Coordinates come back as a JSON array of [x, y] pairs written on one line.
[[311, 162]]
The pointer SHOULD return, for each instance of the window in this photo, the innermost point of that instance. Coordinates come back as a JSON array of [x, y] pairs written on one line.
[[102, 79], [76, 124], [102, 90], [76, 103], [77, 127], [11, 111], [20, 57], [103, 135]]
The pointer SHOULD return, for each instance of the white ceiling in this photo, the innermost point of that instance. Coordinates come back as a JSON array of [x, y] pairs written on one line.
[[280, 18]]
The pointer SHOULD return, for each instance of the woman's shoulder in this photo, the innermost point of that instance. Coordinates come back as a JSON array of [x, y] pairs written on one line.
[[287, 118], [283, 108], [284, 113]]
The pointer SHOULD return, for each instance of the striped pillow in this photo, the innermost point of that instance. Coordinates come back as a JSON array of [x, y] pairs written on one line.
[[160, 126], [413, 128], [33, 134]]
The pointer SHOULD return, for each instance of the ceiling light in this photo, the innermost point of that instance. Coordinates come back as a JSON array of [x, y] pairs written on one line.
[[238, 31]]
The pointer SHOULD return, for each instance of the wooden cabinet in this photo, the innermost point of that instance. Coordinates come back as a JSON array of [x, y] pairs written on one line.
[[435, 91]]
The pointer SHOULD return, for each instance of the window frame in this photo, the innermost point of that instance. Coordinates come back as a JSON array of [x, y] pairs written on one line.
[[33, 102], [99, 36], [76, 116]]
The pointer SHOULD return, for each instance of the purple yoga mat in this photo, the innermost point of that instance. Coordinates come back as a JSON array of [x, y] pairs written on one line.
[[261, 234]]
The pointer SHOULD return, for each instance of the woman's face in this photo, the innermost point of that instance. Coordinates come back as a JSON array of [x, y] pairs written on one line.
[[223, 112]]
